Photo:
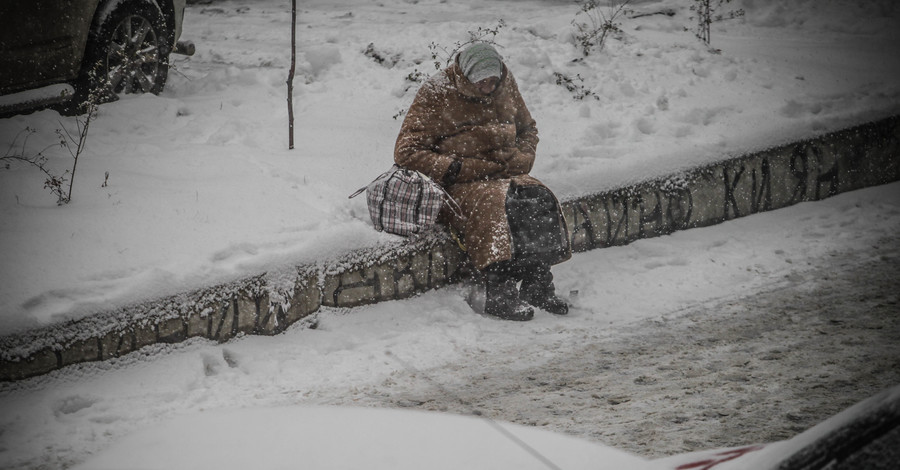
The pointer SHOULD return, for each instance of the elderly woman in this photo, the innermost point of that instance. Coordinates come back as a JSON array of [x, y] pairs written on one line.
[[469, 129]]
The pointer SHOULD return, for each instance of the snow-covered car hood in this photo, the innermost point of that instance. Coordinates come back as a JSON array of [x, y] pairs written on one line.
[[376, 438], [348, 438]]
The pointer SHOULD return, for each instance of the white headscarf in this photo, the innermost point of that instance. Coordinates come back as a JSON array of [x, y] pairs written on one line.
[[480, 61]]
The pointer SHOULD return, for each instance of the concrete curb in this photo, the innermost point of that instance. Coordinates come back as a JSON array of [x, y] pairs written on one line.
[[807, 170]]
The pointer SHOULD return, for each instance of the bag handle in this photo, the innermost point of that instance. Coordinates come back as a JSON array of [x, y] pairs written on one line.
[[452, 204], [359, 191]]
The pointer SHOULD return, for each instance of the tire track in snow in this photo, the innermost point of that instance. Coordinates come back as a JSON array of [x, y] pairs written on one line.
[[753, 369]]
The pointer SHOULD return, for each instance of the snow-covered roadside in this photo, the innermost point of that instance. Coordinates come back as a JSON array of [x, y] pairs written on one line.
[[202, 190], [758, 367], [703, 338]]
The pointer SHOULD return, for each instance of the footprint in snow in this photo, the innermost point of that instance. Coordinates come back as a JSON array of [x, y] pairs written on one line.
[[213, 364], [73, 404]]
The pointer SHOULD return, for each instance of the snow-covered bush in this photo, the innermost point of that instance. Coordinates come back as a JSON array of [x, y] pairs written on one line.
[[60, 185], [595, 24], [707, 13], [574, 85]]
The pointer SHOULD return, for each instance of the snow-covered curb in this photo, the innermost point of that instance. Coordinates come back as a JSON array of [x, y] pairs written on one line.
[[266, 304]]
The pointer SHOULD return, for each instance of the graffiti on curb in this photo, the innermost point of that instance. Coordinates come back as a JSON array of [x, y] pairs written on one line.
[[780, 177]]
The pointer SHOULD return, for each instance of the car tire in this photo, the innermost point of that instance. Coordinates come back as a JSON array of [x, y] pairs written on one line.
[[127, 52]]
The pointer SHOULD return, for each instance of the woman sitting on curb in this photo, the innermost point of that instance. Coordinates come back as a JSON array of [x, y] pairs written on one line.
[[469, 129]]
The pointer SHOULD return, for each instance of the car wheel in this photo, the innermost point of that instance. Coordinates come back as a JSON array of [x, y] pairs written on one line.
[[127, 52]]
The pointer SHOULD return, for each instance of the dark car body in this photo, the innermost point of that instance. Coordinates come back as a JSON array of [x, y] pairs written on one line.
[[47, 42]]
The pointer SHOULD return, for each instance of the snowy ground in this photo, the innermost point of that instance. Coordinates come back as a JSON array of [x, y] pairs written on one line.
[[196, 186], [745, 332]]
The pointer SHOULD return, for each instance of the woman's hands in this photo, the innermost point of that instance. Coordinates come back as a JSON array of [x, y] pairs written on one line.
[[485, 152], [515, 161], [479, 141], [503, 163]]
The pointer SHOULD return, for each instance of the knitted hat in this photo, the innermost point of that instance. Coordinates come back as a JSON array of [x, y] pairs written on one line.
[[480, 61]]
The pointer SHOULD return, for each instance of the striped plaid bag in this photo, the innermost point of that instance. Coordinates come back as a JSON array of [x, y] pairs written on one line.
[[405, 202]]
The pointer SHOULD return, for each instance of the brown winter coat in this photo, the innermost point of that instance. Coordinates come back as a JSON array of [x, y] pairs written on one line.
[[494, 137]]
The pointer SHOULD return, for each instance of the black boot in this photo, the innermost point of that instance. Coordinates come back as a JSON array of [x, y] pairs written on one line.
[[502, 299], [538, 290], [496, 294]]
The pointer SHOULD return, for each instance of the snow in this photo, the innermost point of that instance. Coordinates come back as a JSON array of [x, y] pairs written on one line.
[[202, 189], [344, 438], [432, 351], [402, 439], [48, 93]]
